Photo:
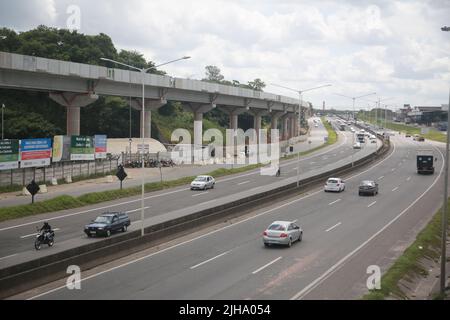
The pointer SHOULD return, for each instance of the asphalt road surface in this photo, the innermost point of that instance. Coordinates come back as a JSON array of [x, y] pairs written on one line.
[[343, 235], [17, 236]]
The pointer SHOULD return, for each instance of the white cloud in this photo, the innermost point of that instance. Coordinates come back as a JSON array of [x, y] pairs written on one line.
[[395, 48]]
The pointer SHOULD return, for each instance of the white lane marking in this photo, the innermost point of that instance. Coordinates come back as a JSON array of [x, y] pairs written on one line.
[[242, 183], [34, 234], [170, 192], [333, 227], [4, 258], [334, 155], [372, 204], [300, 295], [295, 221], [136, 210], [313, 162], [212, 232], [393, 169], [408, 179], [200, 194], [395, 189], [267, 265], [381, 178], [334, 202], [209, 260]]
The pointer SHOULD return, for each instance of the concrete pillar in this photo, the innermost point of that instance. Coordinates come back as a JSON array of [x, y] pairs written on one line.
[[73, 102], [257, 117], [234, 121], [150, 105], [73, 121], [285, 127], [198, 110]]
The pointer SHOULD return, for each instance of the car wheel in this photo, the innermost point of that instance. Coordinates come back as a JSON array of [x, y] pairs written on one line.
[[89, 235], [360, 194], [213, 186], [37, 245], [300, 238], [124, 229], [266, 245], [108, 233], [51, 243], [290, 243]]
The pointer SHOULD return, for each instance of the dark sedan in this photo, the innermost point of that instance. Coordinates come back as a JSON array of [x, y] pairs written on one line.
[[108, 223], [368, 188]]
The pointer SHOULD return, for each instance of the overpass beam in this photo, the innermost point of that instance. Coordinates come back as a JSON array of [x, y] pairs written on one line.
[[73, 102], [150, 106]]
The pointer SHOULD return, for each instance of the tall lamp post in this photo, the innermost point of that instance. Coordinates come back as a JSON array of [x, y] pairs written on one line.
[[300, 93], [3, 108], [143, 73], [444, 209]]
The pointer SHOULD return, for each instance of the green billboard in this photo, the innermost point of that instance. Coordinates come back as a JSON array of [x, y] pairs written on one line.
[[82, 148], [9, 154]]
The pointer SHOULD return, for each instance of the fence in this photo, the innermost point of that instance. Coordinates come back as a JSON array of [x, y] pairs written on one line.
[[60, 170]]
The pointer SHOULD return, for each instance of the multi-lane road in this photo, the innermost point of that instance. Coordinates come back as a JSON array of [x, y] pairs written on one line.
[[16, 237], [344, 234]]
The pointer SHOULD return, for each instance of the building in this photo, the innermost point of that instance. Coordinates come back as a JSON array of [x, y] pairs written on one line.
[[428, 115]]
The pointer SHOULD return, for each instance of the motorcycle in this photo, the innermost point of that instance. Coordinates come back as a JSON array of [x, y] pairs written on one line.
[[43, 237]]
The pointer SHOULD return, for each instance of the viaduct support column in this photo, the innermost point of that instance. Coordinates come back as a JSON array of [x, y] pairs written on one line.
[[73, 102], [257, 117], [150, 106], [198, 110]]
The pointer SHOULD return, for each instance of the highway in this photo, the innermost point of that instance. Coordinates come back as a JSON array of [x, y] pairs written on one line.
[[17, 236], [343, 235]]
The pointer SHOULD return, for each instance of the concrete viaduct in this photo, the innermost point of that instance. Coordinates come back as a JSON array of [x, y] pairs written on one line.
[[75, 85]]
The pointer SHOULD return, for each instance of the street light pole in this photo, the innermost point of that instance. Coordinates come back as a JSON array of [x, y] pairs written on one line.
[[143, 73], [300, 92], [3, 108], [445, 204]]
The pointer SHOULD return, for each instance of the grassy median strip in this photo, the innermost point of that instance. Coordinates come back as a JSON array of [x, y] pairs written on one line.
[[69, 202], [426, 245]]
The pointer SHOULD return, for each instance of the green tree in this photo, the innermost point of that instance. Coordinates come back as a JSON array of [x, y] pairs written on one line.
[[257, 84], [213, 74]]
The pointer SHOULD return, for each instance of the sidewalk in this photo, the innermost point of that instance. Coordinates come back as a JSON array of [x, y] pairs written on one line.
[[134, 176]]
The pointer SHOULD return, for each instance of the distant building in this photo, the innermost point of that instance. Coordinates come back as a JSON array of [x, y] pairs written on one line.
[[428, 115]]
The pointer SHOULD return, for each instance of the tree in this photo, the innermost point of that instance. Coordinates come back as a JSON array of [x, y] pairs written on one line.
[[257, 84], [213, 74]]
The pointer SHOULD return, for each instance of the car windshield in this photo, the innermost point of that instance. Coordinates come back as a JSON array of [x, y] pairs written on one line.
[[367, 183], [333, 181], [277, 227], [201, 179], [103, 219]]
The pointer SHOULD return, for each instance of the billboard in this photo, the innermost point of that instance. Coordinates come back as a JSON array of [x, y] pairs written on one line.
[[61, 148], [9, 154], [100, 142], [82, 148], [35, 152]]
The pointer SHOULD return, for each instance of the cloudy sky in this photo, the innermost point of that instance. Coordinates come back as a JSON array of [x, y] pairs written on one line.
[[394, 48]]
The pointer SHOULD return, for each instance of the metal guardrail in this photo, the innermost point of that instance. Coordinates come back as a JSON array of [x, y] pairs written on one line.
[[31, 274]]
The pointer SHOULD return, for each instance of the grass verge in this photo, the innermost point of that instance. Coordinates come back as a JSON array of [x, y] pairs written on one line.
[[69, 202], [426, 245]]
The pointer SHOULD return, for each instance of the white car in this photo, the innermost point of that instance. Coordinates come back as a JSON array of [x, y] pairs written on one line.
[[335, 185], [357, 145], [203, 183]]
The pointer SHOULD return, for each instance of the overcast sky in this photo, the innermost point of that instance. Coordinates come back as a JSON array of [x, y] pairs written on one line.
[[394, 48]]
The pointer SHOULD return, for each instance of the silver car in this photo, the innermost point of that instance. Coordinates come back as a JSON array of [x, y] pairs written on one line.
[[203, 183], [282, 233]]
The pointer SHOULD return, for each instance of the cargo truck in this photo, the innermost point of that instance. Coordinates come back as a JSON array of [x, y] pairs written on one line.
[[425, 162]]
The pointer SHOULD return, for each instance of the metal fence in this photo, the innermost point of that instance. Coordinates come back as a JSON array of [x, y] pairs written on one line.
[[60, 170]]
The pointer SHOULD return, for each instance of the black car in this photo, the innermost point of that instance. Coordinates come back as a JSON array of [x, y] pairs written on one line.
[[368, 188], [108, 223]]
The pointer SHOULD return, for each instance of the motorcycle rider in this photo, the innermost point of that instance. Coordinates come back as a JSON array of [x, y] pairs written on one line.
[[47, 229]]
